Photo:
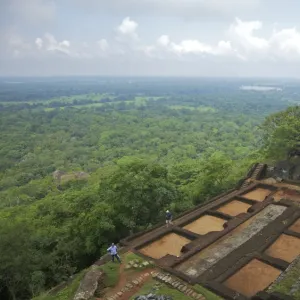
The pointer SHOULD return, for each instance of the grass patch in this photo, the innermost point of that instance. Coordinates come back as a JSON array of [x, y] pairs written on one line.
[[206, 109], [285, 285], [67, 293], [178, 107], [96, 104], [129, 256], [203, 108], [206, 293], [163, 290], [111, 271]]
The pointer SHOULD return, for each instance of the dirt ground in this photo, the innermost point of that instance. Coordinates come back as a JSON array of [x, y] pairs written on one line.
[[234, 208], [202, 261], [252, 278], [286, 247], [123, 280], [169, 244], [292, 195], [206, 224], [296, 226], [258, 194]]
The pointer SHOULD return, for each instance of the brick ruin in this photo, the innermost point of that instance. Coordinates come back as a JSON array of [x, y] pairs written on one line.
[[238, 243]]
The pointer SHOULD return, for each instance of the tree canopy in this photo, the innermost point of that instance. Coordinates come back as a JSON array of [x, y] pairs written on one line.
[[282, 133], [123, 154]]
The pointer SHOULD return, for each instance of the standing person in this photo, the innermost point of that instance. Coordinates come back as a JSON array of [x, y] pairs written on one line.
[[113, 250], [168, 218]]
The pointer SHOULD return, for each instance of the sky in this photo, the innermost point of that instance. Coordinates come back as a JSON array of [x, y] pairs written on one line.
[[214, 38]]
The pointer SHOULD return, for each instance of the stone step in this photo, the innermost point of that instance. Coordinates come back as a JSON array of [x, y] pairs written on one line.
[[177, 284], [138, 281], [162, 277], [257, 170]]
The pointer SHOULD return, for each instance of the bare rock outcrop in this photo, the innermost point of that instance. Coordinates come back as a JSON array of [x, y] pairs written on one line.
[[57, 174], [89, 284]]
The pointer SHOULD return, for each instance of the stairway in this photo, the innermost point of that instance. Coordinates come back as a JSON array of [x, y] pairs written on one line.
[[245, 184], [253, 176], [257, 170]]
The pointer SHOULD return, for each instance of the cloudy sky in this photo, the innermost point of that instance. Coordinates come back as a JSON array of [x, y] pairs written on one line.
[[150, 37]]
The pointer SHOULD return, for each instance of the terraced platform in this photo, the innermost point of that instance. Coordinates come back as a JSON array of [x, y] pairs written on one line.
[[237, 244]]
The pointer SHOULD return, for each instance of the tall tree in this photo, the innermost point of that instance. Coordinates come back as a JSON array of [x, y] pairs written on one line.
[[139, 193], [21, 264], [282, 133]]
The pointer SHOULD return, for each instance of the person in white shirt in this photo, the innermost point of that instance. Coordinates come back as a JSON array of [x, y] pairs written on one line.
[[113, 250]]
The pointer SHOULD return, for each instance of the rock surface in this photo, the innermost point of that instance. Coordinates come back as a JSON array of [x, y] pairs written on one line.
[[89, 284]]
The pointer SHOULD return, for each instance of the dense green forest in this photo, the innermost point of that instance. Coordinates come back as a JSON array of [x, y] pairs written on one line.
[[86, 161]]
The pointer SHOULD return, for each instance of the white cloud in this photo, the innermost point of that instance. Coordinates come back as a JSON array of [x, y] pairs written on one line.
[[39, 43], [65, 44], [164, 41], [243, 35], [195, 47], [280, 45], [243, 43], [191, 46], [243, 40], [127, 30], [286, 43], [224, 47], [51, 45]]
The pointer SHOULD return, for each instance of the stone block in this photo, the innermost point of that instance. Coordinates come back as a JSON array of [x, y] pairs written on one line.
[[89, 284], [145, 264]]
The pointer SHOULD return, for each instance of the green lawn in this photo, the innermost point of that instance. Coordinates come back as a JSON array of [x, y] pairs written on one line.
[[111, 271], [199, 108], [127, 257], [63, 99], [138, 101], [285, 285]]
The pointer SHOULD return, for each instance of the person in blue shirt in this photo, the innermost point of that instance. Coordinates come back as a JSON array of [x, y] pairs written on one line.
[[168, 218], [113, 250]]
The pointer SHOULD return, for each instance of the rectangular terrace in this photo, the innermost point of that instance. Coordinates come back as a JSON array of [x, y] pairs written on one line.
[[205, 259], [252, 278], [286, 247], [206, 224], [170, 243], [234, 208], [258, 194]]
